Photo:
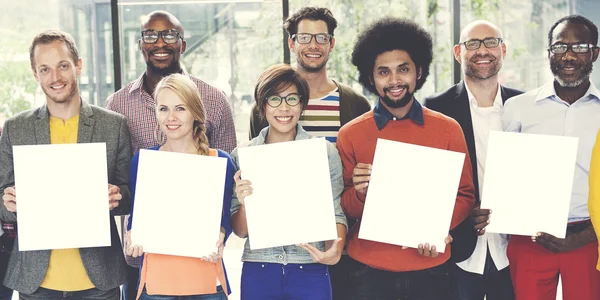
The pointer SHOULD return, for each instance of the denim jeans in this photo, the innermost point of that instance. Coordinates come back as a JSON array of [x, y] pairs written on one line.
[[493, 284], [91, 294], [375, 284], [219, 295]]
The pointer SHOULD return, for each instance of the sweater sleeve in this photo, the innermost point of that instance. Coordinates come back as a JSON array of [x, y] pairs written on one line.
[[465, 197], [352, 205], [133, 168], [594, 194]]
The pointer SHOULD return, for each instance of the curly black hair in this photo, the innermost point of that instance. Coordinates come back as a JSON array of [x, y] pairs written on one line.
[[389, 34], [312, 13], [576, 19]]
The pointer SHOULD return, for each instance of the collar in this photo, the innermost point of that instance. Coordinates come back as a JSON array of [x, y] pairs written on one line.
[[260, 139], [382, 115], [138, 84], [548, 91], [473, 102]]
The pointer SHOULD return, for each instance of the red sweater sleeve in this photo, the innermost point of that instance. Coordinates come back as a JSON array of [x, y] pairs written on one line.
[[351, 204], [465, 198]]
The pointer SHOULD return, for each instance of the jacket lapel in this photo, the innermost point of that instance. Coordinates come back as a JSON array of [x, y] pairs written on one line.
[[86, 123], [463, 117], [42, 126]]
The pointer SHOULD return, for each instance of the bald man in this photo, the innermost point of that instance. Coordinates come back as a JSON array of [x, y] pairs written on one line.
[[162, 45], [476, 103]]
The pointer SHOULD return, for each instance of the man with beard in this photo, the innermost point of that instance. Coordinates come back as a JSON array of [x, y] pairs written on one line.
[[567, 106], [332, 104], [481, 268], [393, 58], [162, 43], [65, 118]]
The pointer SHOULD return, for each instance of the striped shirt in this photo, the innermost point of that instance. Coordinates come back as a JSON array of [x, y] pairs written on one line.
[[321, 117], [138, 107]]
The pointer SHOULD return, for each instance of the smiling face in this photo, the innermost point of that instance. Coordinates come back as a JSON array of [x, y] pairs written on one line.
[[312, 57], [160, 57], [571, 69], [284, 118], [395, 78], [56, 72], [482, 63], [173, 115]]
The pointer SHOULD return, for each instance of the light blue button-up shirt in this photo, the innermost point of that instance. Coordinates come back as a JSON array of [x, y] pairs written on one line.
[[541, 111]]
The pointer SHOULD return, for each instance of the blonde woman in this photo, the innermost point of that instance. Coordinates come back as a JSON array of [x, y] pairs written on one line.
[[181, 118]]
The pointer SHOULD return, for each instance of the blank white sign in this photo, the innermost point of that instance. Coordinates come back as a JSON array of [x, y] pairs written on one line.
[[528, 181], [411, 195], [62, 196], [178, 203], [292, 200]]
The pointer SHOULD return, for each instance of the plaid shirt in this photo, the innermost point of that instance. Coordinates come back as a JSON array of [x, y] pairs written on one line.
[[138, 107]]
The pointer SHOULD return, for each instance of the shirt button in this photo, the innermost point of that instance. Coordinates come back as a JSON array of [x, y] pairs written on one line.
[[280, 256], [394, 118]]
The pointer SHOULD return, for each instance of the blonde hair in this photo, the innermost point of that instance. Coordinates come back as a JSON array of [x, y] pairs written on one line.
[[187, 90]]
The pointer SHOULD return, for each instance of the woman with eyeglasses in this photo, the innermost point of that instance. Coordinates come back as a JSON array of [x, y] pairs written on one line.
[[289, 272], [594, 196], [181, 118]]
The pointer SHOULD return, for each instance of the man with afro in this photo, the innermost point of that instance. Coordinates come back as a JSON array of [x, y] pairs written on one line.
[[393, 58]]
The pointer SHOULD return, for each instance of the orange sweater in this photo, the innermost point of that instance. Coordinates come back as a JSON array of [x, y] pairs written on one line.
[[356, 144]]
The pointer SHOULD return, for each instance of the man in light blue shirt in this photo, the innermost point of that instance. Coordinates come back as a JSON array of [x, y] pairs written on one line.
[[568, 106]]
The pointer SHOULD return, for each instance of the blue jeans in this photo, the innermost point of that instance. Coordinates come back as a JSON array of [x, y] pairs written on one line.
[[493, 284], [270, 281], [219, 295], [91, 294], [375, 284]]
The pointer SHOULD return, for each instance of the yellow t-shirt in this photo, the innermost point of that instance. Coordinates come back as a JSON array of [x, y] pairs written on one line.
[[594, 198], [65, 269]]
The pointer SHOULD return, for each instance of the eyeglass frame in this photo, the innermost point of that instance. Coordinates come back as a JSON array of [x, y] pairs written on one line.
[[161, 35], [482, 42], [570, 46], [284, 98], [312, 36]]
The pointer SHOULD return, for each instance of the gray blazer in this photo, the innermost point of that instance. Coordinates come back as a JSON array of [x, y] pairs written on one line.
[[105, 266]]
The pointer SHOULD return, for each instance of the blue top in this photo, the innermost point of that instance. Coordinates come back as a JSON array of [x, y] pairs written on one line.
[[292, 253], [226, 197]]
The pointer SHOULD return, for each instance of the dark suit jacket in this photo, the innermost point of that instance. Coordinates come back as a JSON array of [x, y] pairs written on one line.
[[105, 266], [454, 103]]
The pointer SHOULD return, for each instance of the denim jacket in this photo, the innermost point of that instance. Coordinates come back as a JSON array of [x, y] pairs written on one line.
[[293, 254]]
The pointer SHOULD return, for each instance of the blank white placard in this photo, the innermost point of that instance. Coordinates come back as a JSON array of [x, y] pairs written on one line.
[[184, 191], [291, 201], [411, 195], [528, 182], [62, 196]]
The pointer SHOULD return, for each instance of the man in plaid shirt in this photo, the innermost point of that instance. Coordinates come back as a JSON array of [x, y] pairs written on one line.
[[162, 44]]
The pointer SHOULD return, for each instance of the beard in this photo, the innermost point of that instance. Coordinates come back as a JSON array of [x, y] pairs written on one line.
[[72, 91], [582, 74], [477, 74], [402, 102], [172, 68], [309, 68]]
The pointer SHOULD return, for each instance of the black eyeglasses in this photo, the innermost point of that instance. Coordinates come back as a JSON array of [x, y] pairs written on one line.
[[560, 48], [474, 44], [305, 38], [169, 36], [275, 101]]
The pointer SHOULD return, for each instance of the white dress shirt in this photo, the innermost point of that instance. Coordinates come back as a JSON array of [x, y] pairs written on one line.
[[541, 111], [485, 119]]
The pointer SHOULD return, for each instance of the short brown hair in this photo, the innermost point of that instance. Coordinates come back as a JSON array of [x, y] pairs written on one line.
[[52, 35], [310, 13], [278, 78]]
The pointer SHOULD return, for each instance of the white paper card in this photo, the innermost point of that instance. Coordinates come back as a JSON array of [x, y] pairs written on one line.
[[528, 182], [411, 195], [184, 191], [292, 200], [62, 196]]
